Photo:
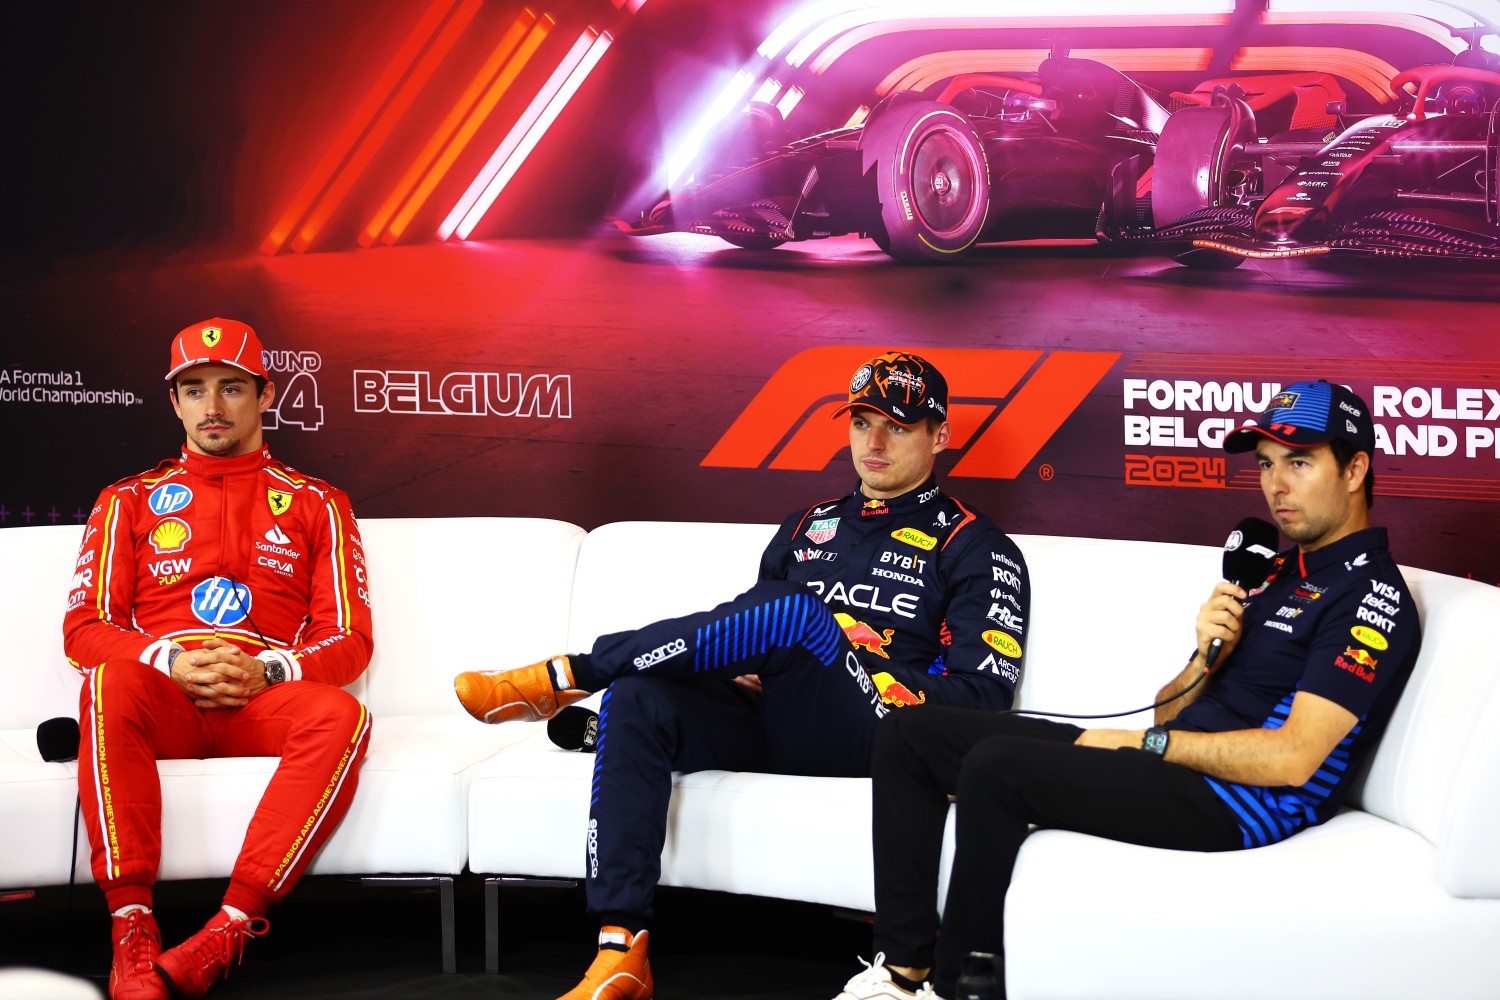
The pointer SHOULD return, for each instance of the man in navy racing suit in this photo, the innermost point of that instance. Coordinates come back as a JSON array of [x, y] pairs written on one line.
[[893, 596], [1314, 659]]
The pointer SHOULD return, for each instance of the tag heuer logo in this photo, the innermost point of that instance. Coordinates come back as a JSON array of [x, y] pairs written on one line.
[[823, 531]]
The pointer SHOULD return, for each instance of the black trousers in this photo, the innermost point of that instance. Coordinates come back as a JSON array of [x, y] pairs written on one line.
[[1007, 772]]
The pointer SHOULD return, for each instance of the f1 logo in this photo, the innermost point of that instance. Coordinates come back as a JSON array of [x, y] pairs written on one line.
[[1000, 438]]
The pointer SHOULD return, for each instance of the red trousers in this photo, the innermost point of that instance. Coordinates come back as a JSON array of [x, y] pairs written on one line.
[[132, 715]]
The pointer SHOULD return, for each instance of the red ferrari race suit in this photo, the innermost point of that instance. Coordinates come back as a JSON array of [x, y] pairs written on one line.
[[250, 551]]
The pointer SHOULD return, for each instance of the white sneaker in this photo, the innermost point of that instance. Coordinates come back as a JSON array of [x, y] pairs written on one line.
[[875, 984]]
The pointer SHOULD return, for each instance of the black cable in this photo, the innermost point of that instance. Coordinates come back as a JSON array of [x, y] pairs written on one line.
[[248, 616], [73, 858], [1114, 715]]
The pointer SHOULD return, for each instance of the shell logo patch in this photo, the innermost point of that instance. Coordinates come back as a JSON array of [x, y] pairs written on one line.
[[211, 335], [1003, 642], [170, 535], [1370, 637], [280, 502]]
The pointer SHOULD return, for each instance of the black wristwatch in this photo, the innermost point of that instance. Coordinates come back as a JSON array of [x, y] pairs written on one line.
[[275, 669], [1155, 741]]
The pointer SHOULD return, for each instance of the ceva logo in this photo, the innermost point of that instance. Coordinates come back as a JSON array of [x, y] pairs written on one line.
[[1004, 406]]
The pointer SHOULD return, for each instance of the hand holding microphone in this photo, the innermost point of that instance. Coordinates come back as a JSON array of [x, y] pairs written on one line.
[[1248, 552]]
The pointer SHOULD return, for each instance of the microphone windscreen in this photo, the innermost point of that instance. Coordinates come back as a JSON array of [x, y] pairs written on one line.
[[574, 728], [1249, 550], [57, 739]]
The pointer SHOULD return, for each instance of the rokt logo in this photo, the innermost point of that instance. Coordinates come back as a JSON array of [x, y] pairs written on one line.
[[1039, 390]]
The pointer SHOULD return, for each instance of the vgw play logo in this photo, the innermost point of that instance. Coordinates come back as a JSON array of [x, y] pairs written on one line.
[[1004, 406]]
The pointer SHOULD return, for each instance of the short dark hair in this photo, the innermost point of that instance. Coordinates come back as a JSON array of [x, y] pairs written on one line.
[[1343, 454], [260, 384]]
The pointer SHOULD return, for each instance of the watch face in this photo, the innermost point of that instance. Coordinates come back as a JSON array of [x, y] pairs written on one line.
[[1156, 741], [275, 672]]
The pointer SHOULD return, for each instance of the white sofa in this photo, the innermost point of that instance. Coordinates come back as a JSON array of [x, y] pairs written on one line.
[[1399, 896]]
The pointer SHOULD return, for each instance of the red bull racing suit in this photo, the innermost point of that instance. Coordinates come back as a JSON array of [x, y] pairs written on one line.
[[244, 549], [863, 607], [1338, 622]]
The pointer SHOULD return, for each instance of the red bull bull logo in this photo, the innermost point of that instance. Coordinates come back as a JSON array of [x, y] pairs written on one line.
[[1361, 656], [862, 636], [893, 692]]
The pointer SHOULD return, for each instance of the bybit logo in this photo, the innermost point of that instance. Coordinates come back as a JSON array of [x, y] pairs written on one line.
[[1018, 398]]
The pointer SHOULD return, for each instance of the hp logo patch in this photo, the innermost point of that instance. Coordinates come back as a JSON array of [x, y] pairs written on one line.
[[218, 601], [169, 499]]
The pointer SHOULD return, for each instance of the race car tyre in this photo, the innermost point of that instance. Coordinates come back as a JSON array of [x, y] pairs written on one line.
[[894, 99], [932, 181], [1196, 156]]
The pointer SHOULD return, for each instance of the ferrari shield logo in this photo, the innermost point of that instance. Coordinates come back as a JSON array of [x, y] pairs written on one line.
[[211, 335], [280, 502], [823, 531]]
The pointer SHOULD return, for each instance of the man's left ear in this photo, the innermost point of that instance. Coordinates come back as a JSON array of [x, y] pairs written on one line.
[[267, 396], [941, 438], [1356, 470]]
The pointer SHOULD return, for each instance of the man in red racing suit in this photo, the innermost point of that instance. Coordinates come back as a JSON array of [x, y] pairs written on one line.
[[219, 602]]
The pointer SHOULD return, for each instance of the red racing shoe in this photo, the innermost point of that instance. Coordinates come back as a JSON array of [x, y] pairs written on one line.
[[526, 694], [191, 968], [137, 944]]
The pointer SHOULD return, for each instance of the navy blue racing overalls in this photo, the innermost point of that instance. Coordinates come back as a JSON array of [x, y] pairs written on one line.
[[863, 607]]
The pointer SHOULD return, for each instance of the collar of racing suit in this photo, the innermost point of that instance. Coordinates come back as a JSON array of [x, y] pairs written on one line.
[[921, 496], [211, 466]]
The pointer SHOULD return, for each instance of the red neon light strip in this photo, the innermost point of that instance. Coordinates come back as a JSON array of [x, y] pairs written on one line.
[[461, 141], [446, 129], [385, 123], [363, 115], [558, 100], [513, 138]]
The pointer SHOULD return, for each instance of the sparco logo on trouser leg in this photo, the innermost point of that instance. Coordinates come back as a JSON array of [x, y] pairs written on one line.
[[593, 848], [663, 652]]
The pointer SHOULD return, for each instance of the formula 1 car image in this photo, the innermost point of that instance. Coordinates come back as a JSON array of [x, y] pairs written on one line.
[[1418, 183], [928, 174]]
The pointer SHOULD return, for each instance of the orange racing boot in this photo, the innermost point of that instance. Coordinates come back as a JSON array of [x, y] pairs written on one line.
[[526, 694]]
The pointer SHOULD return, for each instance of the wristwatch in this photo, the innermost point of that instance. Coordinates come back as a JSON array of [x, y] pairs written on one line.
[[275, 669], [1155, 741]]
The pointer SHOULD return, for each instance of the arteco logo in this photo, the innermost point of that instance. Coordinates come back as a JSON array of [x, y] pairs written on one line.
[[1018, 398]]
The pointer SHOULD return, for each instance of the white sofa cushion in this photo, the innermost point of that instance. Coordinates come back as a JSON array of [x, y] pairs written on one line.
[[1352, 908]]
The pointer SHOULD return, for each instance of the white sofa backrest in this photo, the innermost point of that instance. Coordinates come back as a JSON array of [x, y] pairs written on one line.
[[1111, 622], [632, 573], [1437, 771], [34, 578], [461, 593]]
